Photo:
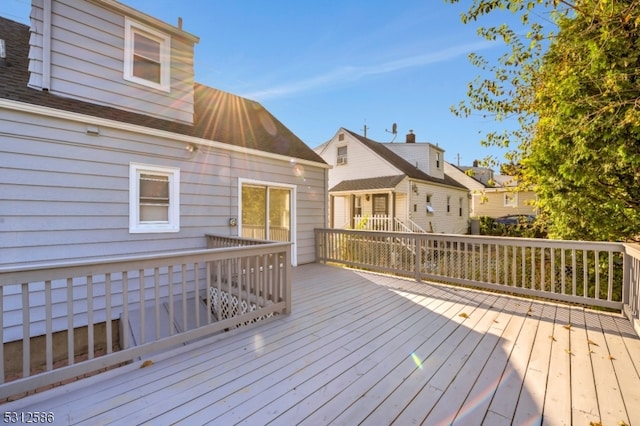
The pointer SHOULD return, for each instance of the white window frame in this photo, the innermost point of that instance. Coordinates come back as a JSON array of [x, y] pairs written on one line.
[[136, 226], [510, 199], [294, 215], [132, 28], [341, 159]]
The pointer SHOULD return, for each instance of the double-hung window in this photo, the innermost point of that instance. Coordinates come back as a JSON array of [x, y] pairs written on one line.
[[154, 199], [511, 199], [147, 58], [342, 155]]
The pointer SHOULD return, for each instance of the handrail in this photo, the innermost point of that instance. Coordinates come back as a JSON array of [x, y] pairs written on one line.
[[588, 273], [129, 296], [415, 227], [401, 226]]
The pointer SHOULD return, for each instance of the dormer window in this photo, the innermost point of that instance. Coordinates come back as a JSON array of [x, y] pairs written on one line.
[[146, 56]]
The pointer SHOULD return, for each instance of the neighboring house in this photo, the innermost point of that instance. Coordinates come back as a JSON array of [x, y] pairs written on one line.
[[492, 195], [392, 186], [109, 147]]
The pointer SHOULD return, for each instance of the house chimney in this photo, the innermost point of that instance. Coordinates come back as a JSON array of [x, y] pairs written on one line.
[[411, 137], [475, 163]]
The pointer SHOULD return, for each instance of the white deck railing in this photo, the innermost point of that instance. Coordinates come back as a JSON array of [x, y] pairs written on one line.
[[588, 273], [385, 223], [158, 301]]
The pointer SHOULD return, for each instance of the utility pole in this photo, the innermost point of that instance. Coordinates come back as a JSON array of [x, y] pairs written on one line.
[[458, 155], [365, 128]]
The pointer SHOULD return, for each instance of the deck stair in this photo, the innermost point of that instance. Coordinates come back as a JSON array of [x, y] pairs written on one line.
[[163, 321]]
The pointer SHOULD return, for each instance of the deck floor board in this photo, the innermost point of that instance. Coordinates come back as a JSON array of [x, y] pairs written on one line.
[[374, 349]]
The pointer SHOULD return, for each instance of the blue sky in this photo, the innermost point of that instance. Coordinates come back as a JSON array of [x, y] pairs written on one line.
[[321, 65]]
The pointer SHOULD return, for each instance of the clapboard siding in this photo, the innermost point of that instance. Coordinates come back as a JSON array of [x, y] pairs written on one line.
[[491, 203], [87, 62], [67, 193]]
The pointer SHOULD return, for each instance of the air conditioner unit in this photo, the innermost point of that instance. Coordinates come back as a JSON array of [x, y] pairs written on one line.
[[341, 160]]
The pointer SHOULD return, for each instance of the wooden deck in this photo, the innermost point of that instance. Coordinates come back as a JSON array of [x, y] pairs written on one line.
[[365, 348]]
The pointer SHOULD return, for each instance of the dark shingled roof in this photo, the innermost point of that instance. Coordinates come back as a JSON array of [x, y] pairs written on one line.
[[382, 182], [219, 116], [402, 164]]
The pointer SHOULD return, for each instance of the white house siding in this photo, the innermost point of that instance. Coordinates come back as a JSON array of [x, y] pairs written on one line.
[[440, 221], [416, 154], [361, 162], [422, 155], [87, 62], [65, 196], [491, 203]]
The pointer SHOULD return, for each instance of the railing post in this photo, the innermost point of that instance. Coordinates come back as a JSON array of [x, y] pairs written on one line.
[[417, 258], [287, 280]]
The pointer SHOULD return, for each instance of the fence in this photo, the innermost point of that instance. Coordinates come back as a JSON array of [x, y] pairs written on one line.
[[587, 273], [151, 302]]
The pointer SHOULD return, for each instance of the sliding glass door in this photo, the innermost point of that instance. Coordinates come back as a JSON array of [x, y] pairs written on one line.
[[266, 212]]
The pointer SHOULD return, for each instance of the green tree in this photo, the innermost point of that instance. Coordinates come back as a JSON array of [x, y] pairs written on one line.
[[574, 87]]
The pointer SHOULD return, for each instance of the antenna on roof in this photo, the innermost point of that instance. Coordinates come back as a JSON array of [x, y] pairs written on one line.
[[365, 128], [394, 131]]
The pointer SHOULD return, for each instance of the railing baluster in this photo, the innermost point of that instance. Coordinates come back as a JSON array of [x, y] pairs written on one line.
[[514, 265], [596, 265], [533, 267], [90, 336], [185, 325], [172, 325], [552, 285], [26, 335], [157, 304], [585, 274], [49, 325], [610, 277], [108, 323], [125, 310], [523, 266], [143, 326], [543, 271], [574, 272], [482, 263], [196, 293], [563, 272], [70, 329]]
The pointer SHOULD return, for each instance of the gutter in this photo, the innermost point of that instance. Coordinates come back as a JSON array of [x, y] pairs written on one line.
[[134, 128]]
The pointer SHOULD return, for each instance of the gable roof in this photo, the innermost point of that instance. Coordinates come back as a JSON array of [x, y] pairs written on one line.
[[218, 116], [403, 165]]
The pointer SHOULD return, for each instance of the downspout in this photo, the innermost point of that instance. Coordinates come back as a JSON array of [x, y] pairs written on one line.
[[46, 46]]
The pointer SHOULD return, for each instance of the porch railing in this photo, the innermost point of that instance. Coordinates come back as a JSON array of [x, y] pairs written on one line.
[[142, 304], [385, 223], [588, 273]]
